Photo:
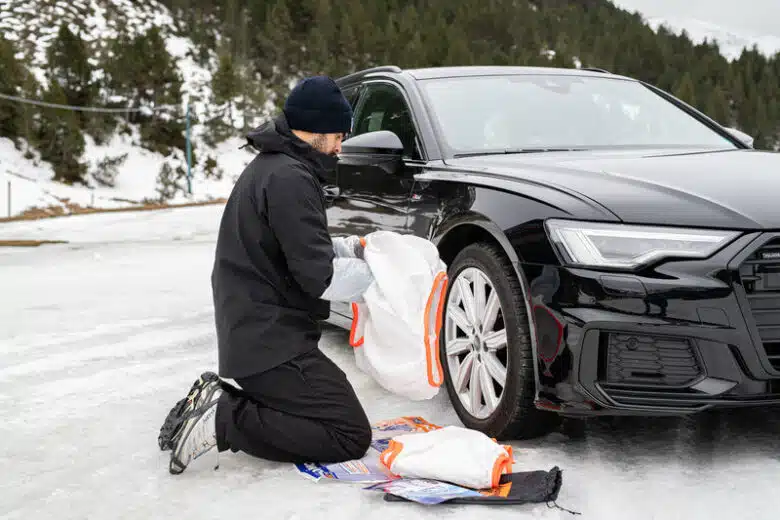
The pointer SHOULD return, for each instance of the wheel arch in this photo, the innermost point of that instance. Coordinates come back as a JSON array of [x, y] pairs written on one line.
[[458, 232]]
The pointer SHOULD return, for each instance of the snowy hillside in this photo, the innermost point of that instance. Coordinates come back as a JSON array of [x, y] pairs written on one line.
[[710, 20], [31, 184], [731, 44], [31, 25], [35, 22]]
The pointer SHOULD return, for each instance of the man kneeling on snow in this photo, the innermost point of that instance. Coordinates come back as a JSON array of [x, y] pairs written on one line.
[[274, 265]]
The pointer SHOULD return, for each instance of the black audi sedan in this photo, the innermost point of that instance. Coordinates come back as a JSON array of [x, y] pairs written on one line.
[[610, 249]]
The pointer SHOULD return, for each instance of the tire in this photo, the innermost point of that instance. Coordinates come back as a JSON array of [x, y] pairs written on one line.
[[514, 416]]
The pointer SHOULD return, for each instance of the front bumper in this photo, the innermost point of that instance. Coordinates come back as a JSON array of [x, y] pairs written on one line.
[[675, 339]]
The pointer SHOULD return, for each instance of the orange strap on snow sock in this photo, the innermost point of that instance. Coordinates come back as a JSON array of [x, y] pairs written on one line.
[[433, 318]]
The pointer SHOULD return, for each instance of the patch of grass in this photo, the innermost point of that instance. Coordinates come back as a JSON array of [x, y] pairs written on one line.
[[29, 243]]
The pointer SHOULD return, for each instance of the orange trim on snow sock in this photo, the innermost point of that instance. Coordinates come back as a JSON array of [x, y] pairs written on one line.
[[439, 317], [502, 465], [387, 457], [353, 329], [432, 354]]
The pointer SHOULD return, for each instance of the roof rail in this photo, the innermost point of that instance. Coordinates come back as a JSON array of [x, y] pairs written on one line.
[[360, 73], [595, 69]]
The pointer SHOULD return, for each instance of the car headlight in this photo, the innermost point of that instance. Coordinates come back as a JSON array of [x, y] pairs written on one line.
[[588, 244]]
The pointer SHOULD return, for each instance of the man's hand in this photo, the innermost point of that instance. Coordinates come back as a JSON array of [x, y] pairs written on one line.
[[349, 247]]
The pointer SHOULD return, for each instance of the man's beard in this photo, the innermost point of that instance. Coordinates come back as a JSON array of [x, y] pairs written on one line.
[[320, 143]]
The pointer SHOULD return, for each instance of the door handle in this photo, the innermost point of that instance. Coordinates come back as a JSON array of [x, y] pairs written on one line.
[[331, 192]]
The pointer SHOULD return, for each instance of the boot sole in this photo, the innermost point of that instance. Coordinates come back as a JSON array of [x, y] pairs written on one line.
[[176, 467], [175, 419]]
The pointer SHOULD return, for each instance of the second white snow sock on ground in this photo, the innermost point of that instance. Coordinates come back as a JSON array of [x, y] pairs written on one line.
[[452, 454]]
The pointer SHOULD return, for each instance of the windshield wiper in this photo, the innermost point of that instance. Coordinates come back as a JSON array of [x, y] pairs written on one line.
[[507, 151]]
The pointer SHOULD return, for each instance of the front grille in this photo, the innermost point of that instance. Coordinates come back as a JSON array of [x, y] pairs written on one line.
[[760, 275], [650, 361]]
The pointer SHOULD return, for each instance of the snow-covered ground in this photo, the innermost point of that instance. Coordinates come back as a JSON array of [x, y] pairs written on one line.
[[102, 335]]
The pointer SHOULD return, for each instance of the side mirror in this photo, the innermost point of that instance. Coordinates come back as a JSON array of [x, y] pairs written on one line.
[[382, 149], [381, 142], [742, 136]]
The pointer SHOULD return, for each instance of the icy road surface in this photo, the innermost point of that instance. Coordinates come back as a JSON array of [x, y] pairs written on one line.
[[101, 336]]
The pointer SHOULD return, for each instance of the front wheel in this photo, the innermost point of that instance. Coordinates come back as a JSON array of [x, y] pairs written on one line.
[[486, 350]]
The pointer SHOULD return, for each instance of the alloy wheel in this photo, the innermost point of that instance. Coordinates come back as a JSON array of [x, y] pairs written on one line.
[[476, 343]]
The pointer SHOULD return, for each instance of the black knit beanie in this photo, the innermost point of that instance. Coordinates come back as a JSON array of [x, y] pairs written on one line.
[[317, 105]]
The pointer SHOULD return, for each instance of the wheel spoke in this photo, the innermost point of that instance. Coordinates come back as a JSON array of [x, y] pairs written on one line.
[[468, 300], [473, 308], [494, 368], [459, 318], [490, 313], [458, 346], [475, 387], [480, 289], [464, 373], [487, 388], [496, 340]]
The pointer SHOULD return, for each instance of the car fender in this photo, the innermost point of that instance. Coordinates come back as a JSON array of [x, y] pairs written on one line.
[[473, 218], [511, 212]]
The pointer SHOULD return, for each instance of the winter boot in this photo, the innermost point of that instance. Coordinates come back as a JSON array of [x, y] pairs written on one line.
[[197, 433], [177, 416]]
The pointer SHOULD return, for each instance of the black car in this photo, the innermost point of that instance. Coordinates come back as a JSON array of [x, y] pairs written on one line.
[[610, 249]]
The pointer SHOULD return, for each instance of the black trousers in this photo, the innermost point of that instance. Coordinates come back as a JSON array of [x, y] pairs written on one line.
[[302, 411]]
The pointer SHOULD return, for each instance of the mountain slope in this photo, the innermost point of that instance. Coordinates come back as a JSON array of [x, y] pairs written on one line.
[[713, 20]]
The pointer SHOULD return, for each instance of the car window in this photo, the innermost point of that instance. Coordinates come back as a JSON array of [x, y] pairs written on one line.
[[476, 114], [351, 93], [384, 108]]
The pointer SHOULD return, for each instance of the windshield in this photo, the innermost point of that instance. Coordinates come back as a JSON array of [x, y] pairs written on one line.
[[537, 112]]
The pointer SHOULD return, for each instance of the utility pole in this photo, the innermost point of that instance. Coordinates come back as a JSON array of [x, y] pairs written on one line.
[[189, 152]]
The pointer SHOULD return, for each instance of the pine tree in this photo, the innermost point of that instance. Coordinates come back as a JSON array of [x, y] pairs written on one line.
[[69, 67], [226, 87], [59, 138], [317, 57], [458, 52], [226, 82], [763, 133], [347, 47], [718, 107], [685, 90], [251, 103], [11, 76], [142, 71], [279, 48]]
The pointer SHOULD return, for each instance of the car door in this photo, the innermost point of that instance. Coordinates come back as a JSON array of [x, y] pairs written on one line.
[[369, 198], [337, 225]]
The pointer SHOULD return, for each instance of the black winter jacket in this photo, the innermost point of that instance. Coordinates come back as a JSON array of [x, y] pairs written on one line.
[[274, 255]]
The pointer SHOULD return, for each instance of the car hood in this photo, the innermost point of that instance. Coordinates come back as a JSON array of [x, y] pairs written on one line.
[[735, 189]]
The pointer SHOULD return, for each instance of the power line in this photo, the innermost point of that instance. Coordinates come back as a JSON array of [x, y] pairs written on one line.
[[85, 109]]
